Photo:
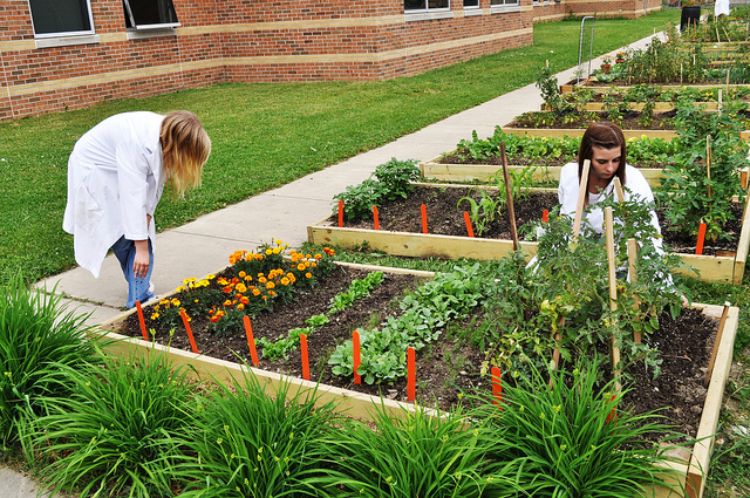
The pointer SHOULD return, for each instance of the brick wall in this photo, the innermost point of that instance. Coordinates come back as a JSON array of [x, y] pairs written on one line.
[[242, 41], [547, 10]]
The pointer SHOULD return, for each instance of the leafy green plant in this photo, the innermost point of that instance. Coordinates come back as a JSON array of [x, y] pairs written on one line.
[[562, 441], [392, 181], [38, 339], [116, 433], [417, 455], [249, 443]]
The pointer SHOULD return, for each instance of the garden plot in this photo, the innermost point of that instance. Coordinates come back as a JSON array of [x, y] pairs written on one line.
[[401, 232], [454, 363]]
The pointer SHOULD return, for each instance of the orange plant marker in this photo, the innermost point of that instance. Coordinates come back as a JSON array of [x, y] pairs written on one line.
[[411, 374], [545, 215], [497, 386], [250, 340], [423, 210], [357, 359], [186, 323], [701, 239], [341, 213], [469, 228], [613, 414], [375, 218], [141, 320], [305, 357]]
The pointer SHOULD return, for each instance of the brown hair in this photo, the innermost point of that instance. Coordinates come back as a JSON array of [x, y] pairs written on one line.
[[185, 149], [607, 135]]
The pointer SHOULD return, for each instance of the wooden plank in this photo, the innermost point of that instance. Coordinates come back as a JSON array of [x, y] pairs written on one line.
[[638, 106], [700, 460], [484, 172], [602, 89], [578, 132], [743, 246]]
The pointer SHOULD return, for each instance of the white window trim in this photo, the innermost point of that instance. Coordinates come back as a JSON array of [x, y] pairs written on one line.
[[428, 10], [65, 41], [64, 33], [506, 8], [141, 34], [146, 27]]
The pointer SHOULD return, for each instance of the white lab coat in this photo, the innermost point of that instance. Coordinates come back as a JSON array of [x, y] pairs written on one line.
[[721, 7], [637, 188], [115, 178]]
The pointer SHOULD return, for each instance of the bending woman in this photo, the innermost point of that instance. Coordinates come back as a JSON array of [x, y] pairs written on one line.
[[116, 176]]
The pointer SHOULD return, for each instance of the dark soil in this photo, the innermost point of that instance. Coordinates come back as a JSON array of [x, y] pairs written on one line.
[[286, 316], [445, 218], [660, 121], [527, 161]]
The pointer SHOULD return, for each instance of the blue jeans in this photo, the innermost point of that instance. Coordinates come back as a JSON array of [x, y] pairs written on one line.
[[124, 250]]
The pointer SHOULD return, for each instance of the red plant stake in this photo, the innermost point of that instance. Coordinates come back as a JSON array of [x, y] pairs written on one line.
[[357, 360], [411, 374], [701, 239], [250, 340], [423, 210], [186, 323], [613, 414], [545, 215], [141, 320], [341, 213], [497, 386], [375, 218], [305, 357], [469, 228]]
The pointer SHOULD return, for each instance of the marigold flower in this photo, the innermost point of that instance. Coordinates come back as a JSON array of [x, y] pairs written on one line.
[[279, 242], [256, 292], [276, 250], [318, 256], [240, 306], [285, 281], [154, 316], [248, 278], [175, 302], [301, 267], [308, 275], [215, 318], [241, 288], [244, 300], [227, 289], [269, 252], [222, 281], [272, 293], [242, 274], [262, 280], [210, 276], [270, 285]]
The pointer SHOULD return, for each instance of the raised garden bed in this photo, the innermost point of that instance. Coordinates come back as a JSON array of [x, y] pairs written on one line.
[[578, 132], [695, 461], [603, 88], [549, 119], [400, 234]]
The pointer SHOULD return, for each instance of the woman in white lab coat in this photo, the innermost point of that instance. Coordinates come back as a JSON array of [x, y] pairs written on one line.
[[116, 175]]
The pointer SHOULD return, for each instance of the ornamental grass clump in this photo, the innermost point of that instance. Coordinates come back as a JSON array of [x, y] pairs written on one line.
[[115, 434], [37, 337], [248, 443], [415, 456], [570, 440]]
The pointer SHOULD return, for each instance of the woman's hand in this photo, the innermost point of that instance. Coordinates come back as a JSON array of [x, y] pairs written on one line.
[[142, 259]]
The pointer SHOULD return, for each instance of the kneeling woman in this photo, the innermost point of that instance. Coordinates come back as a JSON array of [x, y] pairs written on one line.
[[116, 175]]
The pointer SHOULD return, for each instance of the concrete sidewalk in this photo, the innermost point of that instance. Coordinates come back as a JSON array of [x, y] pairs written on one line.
[[202, 246]]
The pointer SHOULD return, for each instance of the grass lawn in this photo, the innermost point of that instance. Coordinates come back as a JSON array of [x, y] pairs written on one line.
[[266, 135]]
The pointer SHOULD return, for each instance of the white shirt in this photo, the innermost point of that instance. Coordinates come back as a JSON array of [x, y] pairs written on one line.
[[721, 7], [115, 179], [637, 189]]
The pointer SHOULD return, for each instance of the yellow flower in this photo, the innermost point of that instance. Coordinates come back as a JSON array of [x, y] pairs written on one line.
[[269, 252], [227, 302], [270, 285], [262, 280], [240, 307], [241, 288], [285, 281], [242, 274], [175, 302], [154, 316], [301, 267], [210, 276], [308, 275], [276, 250], [256, 292], [279, 242]]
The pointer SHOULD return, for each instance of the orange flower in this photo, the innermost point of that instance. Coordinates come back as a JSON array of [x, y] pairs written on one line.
[[270, 285], [241, 288], [228, 289], [285, 281], [227, 303], [244, 300], [308, 275], [240, 306], [256, 292], [242, 274], [301, 267]]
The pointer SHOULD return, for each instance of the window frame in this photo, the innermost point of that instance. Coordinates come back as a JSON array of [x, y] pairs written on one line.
[[59, 34], [504, 4], [427, 9], [146, 27], [469, 7]]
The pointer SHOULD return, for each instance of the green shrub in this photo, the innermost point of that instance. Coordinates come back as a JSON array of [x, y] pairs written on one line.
[[115, 435], [37, 336]]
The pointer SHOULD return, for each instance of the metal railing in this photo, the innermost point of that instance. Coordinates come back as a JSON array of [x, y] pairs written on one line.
[[580, 47]]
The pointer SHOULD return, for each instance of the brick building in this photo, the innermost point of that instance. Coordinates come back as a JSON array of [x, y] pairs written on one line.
[[66, 54]]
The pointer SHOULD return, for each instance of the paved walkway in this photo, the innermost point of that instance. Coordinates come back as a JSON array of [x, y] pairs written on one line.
[[202, 246]]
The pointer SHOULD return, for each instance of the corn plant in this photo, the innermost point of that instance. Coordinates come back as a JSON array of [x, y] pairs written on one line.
[[37, 337]]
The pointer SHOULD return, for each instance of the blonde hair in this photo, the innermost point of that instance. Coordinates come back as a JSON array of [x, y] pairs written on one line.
[[185, 149]]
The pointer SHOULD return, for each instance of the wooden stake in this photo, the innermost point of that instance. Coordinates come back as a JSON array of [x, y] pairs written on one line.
[[467, 222], [189, 330], [632, 254], [411, 374], [356, 357], [423, 212], [721, 100], [141, 320], [497, 386], [708, 165], [717, 342], [305, 356], [619, 192], [341, 213], [375, 218], [556, 351], [744, 174], [250, 340], [610, 236], [509, 198], [701, 238], [582, 193]]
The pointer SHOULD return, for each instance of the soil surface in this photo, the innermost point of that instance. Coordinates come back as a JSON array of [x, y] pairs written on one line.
[[659, 121], [445, 218]]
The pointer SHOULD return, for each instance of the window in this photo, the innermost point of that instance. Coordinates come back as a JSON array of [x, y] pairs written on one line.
[[61, 17], [471, 3], [426, 5], [501, 3], [150, 14]]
